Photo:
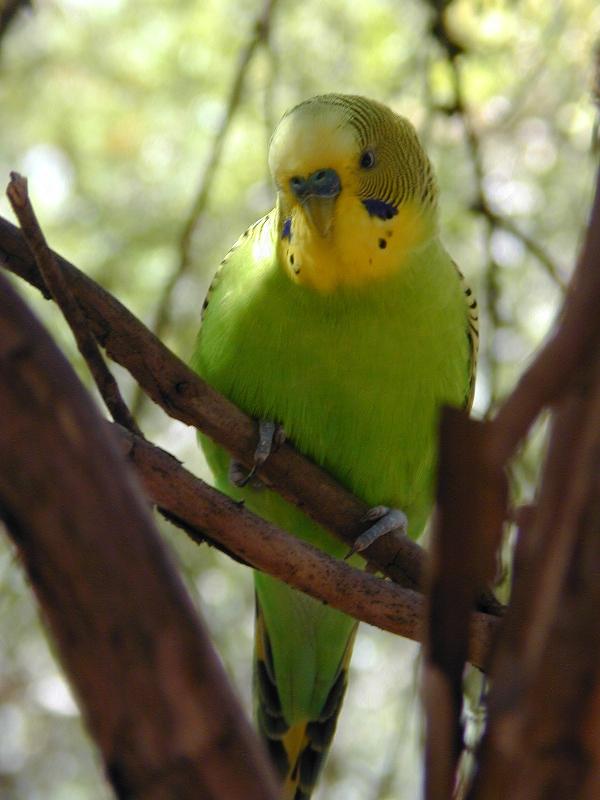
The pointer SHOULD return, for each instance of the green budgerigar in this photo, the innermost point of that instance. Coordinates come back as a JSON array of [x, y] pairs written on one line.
[[341, 317]]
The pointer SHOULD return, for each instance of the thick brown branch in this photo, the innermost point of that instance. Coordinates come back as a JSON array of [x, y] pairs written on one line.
[[61, 293], [544, 722], [470, 513], [184, 396], [153, 692], [213, 516], [544, 725]]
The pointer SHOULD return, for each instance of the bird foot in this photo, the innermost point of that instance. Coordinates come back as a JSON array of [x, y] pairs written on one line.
[[385, 520], [270, 436]]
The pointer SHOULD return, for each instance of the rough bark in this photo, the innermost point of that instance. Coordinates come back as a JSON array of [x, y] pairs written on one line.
[[151, 688]]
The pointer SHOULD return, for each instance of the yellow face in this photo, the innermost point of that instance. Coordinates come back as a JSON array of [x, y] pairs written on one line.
[[356, 192]]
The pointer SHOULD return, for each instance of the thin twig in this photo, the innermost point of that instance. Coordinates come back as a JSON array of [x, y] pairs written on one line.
[[575, 336], [481, 204], [61, 293], [534, 247], [163, 314], [8, 12], [452, 49]]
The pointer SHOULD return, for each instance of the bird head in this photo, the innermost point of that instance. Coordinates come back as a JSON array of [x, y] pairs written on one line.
[[356, 191]]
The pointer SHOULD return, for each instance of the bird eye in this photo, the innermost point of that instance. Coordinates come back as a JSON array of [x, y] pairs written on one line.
[[367, 159]]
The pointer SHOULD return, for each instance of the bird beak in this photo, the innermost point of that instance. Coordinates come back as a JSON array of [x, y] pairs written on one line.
[[319, 211], [317, 195]]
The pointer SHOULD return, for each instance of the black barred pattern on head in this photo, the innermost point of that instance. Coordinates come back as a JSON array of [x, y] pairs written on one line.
[[408, 173]]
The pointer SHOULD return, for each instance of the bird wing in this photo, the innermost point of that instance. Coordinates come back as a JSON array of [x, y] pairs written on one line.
[[251, 233], [472, 319]]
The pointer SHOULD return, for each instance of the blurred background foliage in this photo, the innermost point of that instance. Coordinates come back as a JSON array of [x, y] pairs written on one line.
[[112, 109]]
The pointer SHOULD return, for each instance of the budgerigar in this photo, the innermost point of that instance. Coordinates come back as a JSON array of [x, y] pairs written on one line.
[[340, 316]]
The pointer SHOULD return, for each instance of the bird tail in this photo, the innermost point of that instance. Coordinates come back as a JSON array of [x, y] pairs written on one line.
[[297, 751]]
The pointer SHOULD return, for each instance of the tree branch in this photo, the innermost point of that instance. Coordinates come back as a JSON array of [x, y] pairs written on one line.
[[210, 515], [61, 293], [534, 247], [184, 396], [453, 50], [153, 692], [470, 512], [575, 337], [541, 739], [546, 667], [8, 12]]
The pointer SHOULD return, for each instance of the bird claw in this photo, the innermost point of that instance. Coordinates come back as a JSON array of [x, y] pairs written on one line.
[[240, 477], [376, 513], [270, 437], [385, 520]]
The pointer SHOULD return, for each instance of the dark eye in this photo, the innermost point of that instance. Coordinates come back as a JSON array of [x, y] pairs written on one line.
[[367, 159]]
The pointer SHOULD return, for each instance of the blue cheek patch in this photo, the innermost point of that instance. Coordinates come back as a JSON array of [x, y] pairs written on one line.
[[378, 208], [286, 233]]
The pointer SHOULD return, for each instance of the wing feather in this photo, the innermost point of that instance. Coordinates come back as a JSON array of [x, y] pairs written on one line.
[[472, 330], [253, 231]]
